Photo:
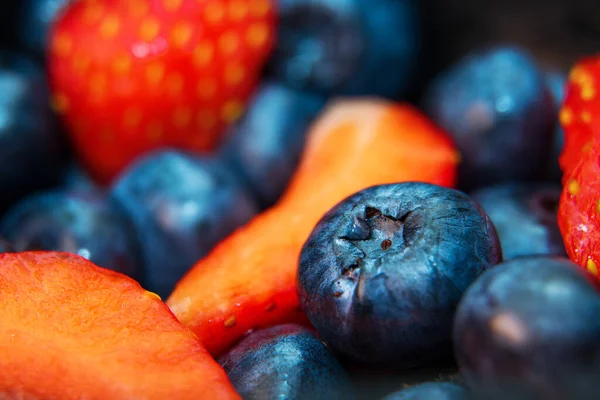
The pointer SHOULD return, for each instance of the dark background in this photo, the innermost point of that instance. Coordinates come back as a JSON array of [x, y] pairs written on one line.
[[556, 32]]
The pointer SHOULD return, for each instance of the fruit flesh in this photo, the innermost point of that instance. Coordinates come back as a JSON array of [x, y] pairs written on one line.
[[72, 330], [248, 280]]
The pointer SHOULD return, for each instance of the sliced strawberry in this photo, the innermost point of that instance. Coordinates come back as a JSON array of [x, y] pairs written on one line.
[[131, 76]]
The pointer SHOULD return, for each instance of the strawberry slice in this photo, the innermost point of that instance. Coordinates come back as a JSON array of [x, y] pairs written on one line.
[[131, 76]]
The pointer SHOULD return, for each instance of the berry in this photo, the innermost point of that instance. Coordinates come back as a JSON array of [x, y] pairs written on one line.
[[31, 146], [251, 275], [382, 272], [34, 21], [351, 47], [529, 329], [134, 76], [525, 217], [579, 202], [580, 113], [264, 148], [579, 206], [75, 178], [556, 83], [181, 206], [285, 362], [431, 391], [6, 247], [82, 223], [498, 109], [72, 330]]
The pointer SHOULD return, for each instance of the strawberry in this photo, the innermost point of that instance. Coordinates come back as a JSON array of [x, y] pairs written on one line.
[[579, 210], [131, 76], [579, 206], [580, 113]]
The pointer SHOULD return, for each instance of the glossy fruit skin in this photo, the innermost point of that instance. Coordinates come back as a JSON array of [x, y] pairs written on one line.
[[6, 247], [265, 146], [382, 272], [556, 83], [525, 217], [580, 113], [528, 329], [499, 111], [34, 20], [354, 144], [579, 203], [345, 47], [578, 209], [79, 222], [31, 146], [131, 77], [75, 178], [181, 206], [285, 361], [431, 391]]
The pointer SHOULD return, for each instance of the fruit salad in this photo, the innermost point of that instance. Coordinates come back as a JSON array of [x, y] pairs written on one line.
[[299, 200]]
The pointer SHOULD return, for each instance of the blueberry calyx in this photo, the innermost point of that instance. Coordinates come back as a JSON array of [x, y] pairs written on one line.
[[371, 238]]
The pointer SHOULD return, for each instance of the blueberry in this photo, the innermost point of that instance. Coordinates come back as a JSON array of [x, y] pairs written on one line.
[[529, 329], [265, 146], [525, 217], [83, 223], [497, 108], [181, 207], [556, 83], [350, 47], [382, 272], [286, 362], [431, 391], [31, 145], [34, 22], [6, 247], [76, 178]]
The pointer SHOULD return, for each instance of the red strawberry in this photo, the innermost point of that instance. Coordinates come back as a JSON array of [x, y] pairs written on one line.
[[580, 114], [579, 208], [131, 76]]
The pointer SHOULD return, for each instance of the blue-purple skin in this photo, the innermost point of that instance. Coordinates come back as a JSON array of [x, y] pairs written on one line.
[[265, 146], [497, 107], [33, 23], [32, 148], [382, 272], [79, 222], [181, 206], [286, 362], [525, 217], [75, 178], [529, 329], [347, 47], [431, 391], [556, 82], [6, 247]]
